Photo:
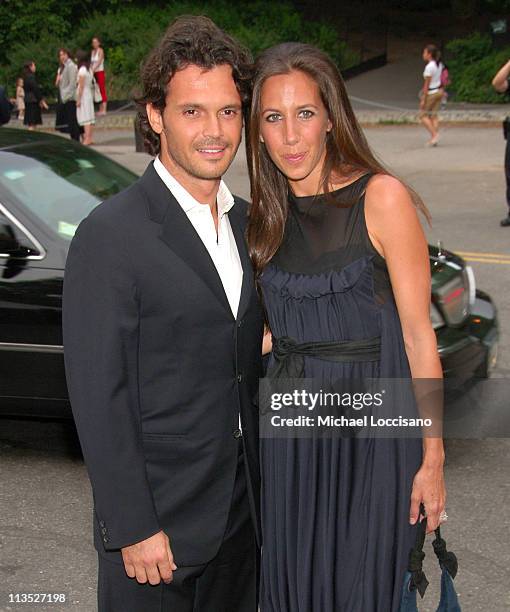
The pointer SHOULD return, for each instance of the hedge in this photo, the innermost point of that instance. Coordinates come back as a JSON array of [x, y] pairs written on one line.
[[129, 33], [472, 63]]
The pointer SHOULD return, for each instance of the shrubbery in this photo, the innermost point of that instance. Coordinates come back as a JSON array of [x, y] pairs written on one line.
[[129, 32], [472, 63]]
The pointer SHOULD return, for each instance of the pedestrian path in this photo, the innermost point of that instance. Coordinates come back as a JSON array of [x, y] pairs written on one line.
[[390, 94]]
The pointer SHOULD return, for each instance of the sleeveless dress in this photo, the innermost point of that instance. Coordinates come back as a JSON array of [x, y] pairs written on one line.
[[335, 512], [85, 112]]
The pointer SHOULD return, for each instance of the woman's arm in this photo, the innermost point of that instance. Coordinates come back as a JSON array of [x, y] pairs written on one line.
[[267, 341], [38, 95], [500, 81], [425, 91], [81, 85], [396, 232]]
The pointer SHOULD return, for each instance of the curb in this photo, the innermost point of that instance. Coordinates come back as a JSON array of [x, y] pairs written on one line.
[[445, 116], [125, 120]]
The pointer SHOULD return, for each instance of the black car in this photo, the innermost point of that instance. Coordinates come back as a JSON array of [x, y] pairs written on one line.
[[49, 184]]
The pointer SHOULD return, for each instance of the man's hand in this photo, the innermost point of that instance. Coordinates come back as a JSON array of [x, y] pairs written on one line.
[[150, 560]]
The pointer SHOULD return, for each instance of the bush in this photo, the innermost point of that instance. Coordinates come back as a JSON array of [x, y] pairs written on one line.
[[130, 32], [472, 63]]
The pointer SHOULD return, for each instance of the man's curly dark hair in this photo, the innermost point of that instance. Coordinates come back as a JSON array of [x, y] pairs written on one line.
[[189, 40]]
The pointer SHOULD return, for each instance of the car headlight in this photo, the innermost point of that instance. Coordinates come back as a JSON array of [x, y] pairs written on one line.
[[435, 317], [453, 299]]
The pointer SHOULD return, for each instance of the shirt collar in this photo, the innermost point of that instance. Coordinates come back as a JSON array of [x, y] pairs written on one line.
[[224, 199]]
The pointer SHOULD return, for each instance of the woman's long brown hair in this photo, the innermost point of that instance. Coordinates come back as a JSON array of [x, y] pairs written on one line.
[[347, 151]]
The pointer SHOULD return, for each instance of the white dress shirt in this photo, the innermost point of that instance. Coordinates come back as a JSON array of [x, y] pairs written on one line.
[[221, 246]]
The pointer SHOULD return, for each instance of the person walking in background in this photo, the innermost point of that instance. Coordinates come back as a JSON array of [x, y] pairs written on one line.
[[20, 99], [34, 99], [84, 99], [500, 84], [67, 89], [97, 64], [432, 93], [60, 113]]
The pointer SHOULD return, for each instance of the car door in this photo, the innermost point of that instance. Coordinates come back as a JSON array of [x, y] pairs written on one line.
[[48, 185], [31, 354]]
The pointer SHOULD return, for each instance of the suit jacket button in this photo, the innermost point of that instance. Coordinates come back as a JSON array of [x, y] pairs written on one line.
[[104, 531], [237, 433], [239, 323], [239, 378], [105, 539], [101, 523]]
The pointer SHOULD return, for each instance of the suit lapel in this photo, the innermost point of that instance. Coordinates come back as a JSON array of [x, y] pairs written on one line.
[[179, 234], [237, 226]]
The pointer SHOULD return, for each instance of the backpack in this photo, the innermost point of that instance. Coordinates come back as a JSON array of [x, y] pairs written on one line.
[[445, 77]]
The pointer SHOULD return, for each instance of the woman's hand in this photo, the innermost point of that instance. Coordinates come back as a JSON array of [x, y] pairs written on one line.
[[267, 341], [43, 104], [78, 103], [429, 489]]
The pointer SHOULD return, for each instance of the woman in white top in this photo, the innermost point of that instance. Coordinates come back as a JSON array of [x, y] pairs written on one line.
[[84, 96], [97, 65], [432, 92]]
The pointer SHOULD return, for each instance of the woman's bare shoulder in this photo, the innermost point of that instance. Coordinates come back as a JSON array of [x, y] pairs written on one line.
[[386, 192]]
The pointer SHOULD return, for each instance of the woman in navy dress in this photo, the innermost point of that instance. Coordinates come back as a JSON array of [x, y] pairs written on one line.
[[343, 269]]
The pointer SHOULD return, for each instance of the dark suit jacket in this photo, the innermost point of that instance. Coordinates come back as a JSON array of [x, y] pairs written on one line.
[[158, 370]]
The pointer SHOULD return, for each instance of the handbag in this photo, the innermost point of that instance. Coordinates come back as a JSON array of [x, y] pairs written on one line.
[[96, 91], [415, 579]]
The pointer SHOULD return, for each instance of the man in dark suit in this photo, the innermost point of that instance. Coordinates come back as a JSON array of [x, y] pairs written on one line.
[[162, 337]]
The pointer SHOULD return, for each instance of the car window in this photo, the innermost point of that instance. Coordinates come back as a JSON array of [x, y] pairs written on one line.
[[60, 184]]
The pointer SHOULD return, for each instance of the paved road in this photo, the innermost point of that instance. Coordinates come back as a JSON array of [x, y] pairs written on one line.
[[45, 501]]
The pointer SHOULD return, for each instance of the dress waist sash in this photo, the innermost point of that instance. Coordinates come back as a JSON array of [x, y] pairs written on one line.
[[289, 355]]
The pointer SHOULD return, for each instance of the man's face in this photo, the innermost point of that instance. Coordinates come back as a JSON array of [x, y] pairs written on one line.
[[201, 125]]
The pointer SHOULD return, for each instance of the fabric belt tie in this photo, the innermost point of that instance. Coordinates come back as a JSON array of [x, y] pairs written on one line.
[[289, 355]]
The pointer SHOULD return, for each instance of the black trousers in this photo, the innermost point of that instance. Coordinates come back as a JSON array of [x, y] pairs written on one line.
[[71, 120], [507, 172], [228, 583]]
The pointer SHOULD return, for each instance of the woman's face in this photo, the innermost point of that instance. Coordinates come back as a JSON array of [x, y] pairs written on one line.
[[32, 67], [426, 55], [293, 125], [95, 43]]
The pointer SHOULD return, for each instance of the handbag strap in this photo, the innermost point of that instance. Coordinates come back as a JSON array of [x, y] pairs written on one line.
[[447, 559]]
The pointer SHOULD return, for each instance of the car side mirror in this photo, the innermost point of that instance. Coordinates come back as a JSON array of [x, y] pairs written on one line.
[[9, 244]]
